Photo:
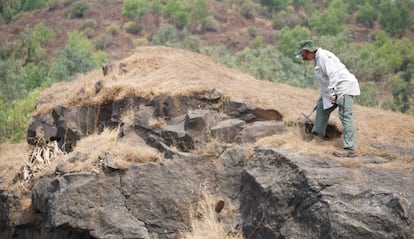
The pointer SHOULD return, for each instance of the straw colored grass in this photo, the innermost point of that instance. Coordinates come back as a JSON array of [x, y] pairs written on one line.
[[95, 146], [204, 221], [12, 158], [153, 71]]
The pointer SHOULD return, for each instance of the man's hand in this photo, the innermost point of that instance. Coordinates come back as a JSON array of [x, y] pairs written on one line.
[[332, 99]]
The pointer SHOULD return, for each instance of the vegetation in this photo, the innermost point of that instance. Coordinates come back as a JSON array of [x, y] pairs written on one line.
[[384, 65]]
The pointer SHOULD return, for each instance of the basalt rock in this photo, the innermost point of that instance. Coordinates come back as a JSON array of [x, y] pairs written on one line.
[[285, 195]]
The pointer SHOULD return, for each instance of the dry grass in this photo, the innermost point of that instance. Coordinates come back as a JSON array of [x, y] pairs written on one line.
[[94, 147], [154, 71], [204, 221], [12, 158]]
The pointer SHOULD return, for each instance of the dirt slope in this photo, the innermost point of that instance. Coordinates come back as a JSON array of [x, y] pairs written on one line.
[[152, 71]]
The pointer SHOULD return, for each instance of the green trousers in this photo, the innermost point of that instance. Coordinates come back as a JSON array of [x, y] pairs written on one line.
[[345, 105]]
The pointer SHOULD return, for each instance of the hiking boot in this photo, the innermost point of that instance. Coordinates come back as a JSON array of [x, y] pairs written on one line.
[[345, 153]]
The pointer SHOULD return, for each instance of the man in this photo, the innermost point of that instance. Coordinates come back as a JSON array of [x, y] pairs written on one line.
[[337, 89]]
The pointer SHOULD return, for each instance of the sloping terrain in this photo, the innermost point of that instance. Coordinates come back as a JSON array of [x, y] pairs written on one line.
[[232, 32], [145, 135], [154, 71]]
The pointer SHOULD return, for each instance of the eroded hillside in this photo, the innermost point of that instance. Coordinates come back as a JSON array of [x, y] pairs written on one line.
[[153, 129]]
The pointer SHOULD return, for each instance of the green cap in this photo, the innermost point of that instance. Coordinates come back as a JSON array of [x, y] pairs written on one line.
[[305, 45]]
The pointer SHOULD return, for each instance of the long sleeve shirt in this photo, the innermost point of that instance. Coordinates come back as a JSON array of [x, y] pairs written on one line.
[[334, 78]]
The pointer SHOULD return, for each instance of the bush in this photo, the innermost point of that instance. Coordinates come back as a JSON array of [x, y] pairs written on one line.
[[192, 43], [89, 23], [367, 15], [133, 27], [252, 31], [134, 8], [166, 35], [78, 10], [369, 94], [289, 39], [178, 11], [276, 5], [43, 34], [210, 24], [20, 115], [113, 29], [278, 20], [28, 5], [248, 10], [331, 20], [199, 11], [77, 57], [102, 41], [395, 16], [140, 42]]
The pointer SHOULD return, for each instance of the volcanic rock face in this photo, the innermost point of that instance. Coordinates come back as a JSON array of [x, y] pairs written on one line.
[[188, 121], [284, 195], [209, 144]]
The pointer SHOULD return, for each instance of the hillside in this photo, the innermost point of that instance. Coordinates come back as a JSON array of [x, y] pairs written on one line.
[[145, 141], [153, 71], [134, 152], [232, 31]]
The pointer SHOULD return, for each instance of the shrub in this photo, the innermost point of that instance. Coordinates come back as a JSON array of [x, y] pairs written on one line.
[[278, 20], [78, 9], [43, 34], [276, 5], [331, 20], [248, 9], [89, 23], [210, 24], [395, 16], [76, 57], [113, 29], [192, 43], [28, 5], [19, 116], [134, 8], [367, 15], [140, 42], [257, 42], [166, 35], [199, 11], [289, 39], [369, 94], [133, 27], [178, 11], [102, 41], [252, 31]]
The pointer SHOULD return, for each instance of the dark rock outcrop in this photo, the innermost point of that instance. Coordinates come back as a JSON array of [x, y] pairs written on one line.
[[285, 195]]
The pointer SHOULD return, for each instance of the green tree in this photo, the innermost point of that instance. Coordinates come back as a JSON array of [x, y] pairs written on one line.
[[134, 8], [367, 14], [178, 11], [276, 5], [331, 21], [76, 57], [166, 35], [8, 9], [289, 39], [395, 15], [43, 34], [28, 5], [19, 116]]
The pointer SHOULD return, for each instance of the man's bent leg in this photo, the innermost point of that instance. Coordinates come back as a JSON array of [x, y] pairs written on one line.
[[346, 116], [321, 120]]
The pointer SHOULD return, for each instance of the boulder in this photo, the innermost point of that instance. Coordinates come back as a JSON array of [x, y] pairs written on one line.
[[286, 195]]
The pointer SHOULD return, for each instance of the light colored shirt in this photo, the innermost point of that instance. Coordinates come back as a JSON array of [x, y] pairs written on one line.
[[334, 77]]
